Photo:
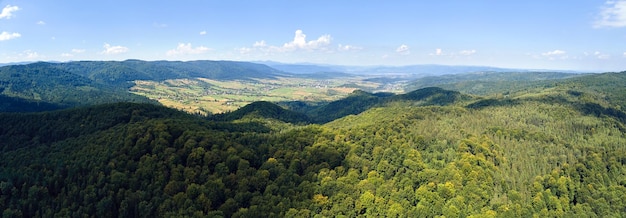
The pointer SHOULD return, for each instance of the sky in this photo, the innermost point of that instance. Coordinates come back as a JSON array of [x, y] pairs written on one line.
[[584, 35]]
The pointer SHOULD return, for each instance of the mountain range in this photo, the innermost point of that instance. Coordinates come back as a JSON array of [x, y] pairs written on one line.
[[474, 144]]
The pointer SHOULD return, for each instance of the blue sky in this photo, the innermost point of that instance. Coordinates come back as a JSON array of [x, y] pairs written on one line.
[[571, 35]]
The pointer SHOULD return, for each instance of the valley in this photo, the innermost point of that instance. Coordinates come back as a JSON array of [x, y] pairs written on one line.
[[116, 139], [208, 96]]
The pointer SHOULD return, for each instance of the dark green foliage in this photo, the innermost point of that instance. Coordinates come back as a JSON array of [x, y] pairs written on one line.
[[97, 82], [44, 128], [120, 73], [263, 109], [355, 103], [492, 102], [611, 85], [432, 96], [132, 160], [44, 83], [360, 101], [486, 83], [428, 153], [13, 104]]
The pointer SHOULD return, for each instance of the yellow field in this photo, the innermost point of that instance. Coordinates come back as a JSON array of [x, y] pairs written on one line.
[[202, 95]]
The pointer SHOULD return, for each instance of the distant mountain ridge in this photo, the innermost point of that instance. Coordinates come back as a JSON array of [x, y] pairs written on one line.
[[419, 70], [61, 85], [118, 72]]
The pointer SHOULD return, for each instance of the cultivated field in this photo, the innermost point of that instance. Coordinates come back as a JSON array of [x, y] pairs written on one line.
[[201, 95]]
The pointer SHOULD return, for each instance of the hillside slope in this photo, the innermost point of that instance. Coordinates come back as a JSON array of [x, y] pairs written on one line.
[[549, 154], [78, 83], [44, 83], [360, 101]]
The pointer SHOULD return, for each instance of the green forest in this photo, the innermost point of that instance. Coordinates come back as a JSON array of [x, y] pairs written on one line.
[[553, 151], [44, 86], [536, 145]]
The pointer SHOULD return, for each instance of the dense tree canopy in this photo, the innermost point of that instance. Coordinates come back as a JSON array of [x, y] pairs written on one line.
[[555, 151], [431, 153]]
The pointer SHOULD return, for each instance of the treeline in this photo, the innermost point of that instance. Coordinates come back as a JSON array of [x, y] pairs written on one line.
[[41, 86], [428, 155], [360, 101], [71, 84]]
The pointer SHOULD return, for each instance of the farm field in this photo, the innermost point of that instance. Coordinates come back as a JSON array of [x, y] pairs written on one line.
[[208, 96]]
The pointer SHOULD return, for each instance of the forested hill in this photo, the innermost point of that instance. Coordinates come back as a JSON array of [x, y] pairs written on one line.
[[43, 86], [555, 150], [360, 101], [486, 83], [553, 153], [263, 110], [120, 72], [62, 85]]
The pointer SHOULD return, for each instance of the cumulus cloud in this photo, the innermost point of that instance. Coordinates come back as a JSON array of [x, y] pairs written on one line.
[[7, 11], [299, 42], [30, 54], [454, 54], [8, 36], [600, 55], [74, 51], [625, 54], [348, 48], [41, 22], [467, 52], [613, 14], [260, 44], [110, 50], [202, 33], [554, 53], [187, 49], [245, 50], [403, 49]]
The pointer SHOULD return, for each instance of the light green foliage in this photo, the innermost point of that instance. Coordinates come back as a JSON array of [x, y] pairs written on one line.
[[553, 153]]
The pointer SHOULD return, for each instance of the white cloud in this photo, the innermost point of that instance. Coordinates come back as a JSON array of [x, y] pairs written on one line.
[[74, 51], [245, 50], [8, 36], [625, 54], [259, 44], [41, 22], [438, 52], [7, 11], [403, 49], [299, 42], [186, 49], [554, 53], [108, 49], [613, 14], [467, 52], [30, 54], [601, 55], [348, 48], [202, 33]]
